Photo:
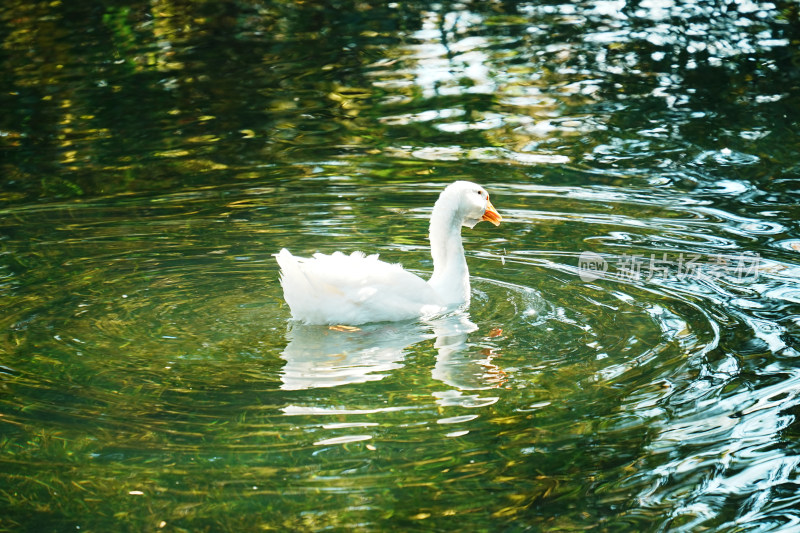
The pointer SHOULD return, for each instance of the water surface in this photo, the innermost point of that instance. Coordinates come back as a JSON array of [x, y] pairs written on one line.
[[629, 358]]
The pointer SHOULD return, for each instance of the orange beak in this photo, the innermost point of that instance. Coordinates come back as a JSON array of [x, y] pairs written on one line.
[[491, 214]]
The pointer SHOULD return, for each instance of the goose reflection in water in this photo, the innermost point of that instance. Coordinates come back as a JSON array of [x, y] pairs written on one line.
[[319, 356]]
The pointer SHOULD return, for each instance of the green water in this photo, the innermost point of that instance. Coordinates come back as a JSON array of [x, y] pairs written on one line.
[[153, 157]]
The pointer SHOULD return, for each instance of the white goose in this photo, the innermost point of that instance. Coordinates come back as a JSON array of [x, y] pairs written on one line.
[[356, 289]]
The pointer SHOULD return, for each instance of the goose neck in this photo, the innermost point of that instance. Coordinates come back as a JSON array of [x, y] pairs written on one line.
[[450, 275]]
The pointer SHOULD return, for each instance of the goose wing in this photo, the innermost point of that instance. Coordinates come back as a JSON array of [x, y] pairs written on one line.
[[352, 289]]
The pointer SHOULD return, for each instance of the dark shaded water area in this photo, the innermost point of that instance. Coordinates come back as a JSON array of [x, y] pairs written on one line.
[[629, 361]]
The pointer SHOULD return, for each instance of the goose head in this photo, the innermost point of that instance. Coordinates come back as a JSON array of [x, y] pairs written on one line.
[[468, 203]]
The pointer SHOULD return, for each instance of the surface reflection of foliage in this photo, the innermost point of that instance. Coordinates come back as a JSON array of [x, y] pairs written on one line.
[[148, 96]]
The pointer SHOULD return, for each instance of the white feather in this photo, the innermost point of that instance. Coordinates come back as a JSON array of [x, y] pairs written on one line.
[[356, 289]]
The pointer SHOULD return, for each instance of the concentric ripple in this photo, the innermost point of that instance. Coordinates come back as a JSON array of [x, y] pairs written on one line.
[[161, 338]]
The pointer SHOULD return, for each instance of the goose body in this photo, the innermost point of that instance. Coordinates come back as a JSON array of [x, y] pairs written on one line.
[[356, 289]]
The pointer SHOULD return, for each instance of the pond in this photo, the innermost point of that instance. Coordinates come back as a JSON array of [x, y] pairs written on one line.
[[629, 359]]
